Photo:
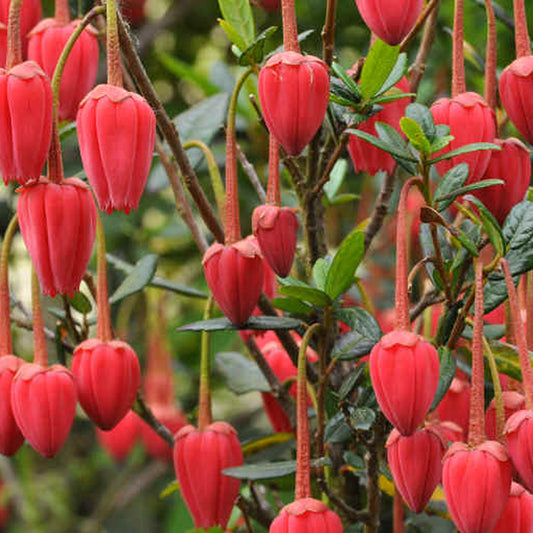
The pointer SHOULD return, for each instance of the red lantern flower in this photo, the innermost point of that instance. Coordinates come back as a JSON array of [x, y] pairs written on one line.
[[517, 517], [58, 224], [209, 494], [390, 20], [454, 407], [518, 434], [11, 438], [304, 515], [512, 402], [119, 441], [31, 14]]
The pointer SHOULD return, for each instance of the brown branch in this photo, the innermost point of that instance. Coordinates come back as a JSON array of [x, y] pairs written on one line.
[[328, 32], [419, 23], [146, 414], [339, 149], [249, 170]]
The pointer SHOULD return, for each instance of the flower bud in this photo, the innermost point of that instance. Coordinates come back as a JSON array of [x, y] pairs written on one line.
[[11, 438], [305, 515]]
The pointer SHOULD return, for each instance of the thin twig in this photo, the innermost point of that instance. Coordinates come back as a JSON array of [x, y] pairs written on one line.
[[339, 149], [419, 23], [249, 170], [328, 32], [147, 415]]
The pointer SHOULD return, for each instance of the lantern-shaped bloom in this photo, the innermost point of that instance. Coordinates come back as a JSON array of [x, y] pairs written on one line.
[[11, 438], [294, 95], [119, 441], [30, 14], [199, 459], [305, 515], [390, 20], [44, 405], [276, 229], [519, 435], [116, 130], [107, 377], [455, 406], [476, 482], [46, 42], [416, 464], [517, 517], [235, 274], [65, 212], [471, 120], [25, 121], [516, 85], [405, 372]]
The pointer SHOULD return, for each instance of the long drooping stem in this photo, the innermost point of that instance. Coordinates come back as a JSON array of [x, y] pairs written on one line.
[[114, 71], [498, 397], [290, 26], [402, 296], [6, 344], [458, 62], [476, 432], [204, 408], [103, 325], [40, 357], [303, 449], [491, 56], [14, 39], [521, 34], [520, 337], [62, 12], [232, 225], [273, 189]]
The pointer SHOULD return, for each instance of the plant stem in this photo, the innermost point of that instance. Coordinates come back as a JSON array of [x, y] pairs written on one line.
[[522, 43], [520, 337], [249, 170], [491, 56], [402, 259], [146, 414], [40, 356], [62, 12], [232, 222], [6, 341], [529, 310], [476, 432], [290, 26], [498, 398], [458, 62], [328, 32], [102, 298], [419, 23], [14, 39], [204, 411], [303, 449], [214, 173], [114, 71], [273, 188], [398, 512]]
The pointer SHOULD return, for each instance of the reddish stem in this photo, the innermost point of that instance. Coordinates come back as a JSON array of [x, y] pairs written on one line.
[[55, 161], [233, 223], [303, 449], [103, 326], [290, 26], [62, 12], [402, 295], [14, 39], [529, 310], [492, 56], [521, 33], [114, 69], [398, 512], [458, 61], [6, 342], [520, 336], [476, 431], [40, 357], [273, 189]]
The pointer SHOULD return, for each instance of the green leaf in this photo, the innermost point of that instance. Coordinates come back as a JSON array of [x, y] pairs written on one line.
[[255, 53], [423, 117], [440, 143], [492, 228], [378, 143], [490, 331], [518, 227], [67, 130], [390, 136], [320, 272], [307, 294], [242, 375], [472, 187], [396, 74], [337, 430], [270, 470], [364, 336], [346, 198], [291, 305], [238, 13], [467, 242], [254, 322], [468, 148], [265, 443], [350, 382], [340, 73], [392, 96], [141, 276], [336, 177], [362, 418], [448, 369], [233, 34], [379, 64], [454, 179], [342, 270], [414, 133], [171, 488], [80, 303], [507, 360]]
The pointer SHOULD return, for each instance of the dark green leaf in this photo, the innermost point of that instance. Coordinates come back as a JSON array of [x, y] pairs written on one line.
[[492, 228], [272, 470], [340, 73], [378, 143], [448, 369], [490, 331], [364, 336], [362, 418], [238, 13], [254, 322], [341, 273], [391, 96], [472, 187], [422, 116], [320, 272], [291, 305], [67, 130], [415, 134], [454, 179], [80, 302], [337, 430], [379, 64], [242, 375], [468, 148], [396, 74], [390, 136], [141, 276], [350, 382], [306, 294], [507, 360], [518, 227], [467, 242], [255, 53]]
